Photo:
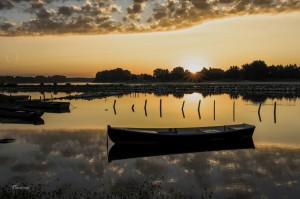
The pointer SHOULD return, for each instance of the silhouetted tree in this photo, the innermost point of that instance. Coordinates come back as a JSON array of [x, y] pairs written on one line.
[[115, 75], [233, 73], [145, 78], [257, 70], [161, 74], [177, 74], [202, 75], [290, 71], [275, 72], [215, 74]]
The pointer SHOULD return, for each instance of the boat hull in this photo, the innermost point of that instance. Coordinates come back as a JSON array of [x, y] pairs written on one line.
[[20, 113], [157, 136], [55, 107], [127, 151]]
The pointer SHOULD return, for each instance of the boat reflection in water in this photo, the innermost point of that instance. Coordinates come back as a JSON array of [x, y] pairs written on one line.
[[127, 151], [35, 121], [7, 140]]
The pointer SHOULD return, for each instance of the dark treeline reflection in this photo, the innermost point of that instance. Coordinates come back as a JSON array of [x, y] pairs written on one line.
[[254, 97], [75, 162], [257, 70]]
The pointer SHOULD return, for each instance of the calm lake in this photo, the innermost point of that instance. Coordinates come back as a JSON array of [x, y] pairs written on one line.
[[70, 150]]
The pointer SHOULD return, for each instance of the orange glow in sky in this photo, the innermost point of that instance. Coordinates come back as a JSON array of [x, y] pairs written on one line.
[[219, 44]]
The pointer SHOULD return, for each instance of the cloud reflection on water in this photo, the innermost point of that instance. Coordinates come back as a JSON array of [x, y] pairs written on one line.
[[79, 158]]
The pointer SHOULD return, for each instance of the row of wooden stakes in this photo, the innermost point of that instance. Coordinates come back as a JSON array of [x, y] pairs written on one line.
[[199, 104]]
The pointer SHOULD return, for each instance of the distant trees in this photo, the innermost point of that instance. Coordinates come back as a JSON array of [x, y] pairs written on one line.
[[233, 73], [161, 75], [257, 71], [215, 74], [177, 74], [36, 79], [42, 79], [115, 75]]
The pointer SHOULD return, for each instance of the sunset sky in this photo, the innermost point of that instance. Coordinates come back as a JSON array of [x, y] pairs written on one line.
[[82, 37]]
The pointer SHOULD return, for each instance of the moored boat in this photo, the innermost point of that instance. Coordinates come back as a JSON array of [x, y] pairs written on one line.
[[17, 97], [179, 135], [16, 112], [47, 105]]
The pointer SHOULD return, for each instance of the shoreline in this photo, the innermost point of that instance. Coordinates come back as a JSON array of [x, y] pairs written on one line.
[[91, 91]]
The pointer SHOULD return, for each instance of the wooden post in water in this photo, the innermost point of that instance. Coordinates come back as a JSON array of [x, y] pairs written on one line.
[[275, 112], [160, 104], [259, 112], [199, 103], [234, 111], [114, 106], [182, 109], [214, 110], [44, 97], [145, 107], [132, 108]]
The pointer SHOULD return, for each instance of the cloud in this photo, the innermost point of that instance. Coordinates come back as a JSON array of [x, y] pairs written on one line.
[[56, 17], [65, 10], [6, 26], [6, 4]]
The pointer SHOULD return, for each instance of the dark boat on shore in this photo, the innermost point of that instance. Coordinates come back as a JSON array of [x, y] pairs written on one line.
[[47, 105], [179, 135], [16, 112], [128, 151]]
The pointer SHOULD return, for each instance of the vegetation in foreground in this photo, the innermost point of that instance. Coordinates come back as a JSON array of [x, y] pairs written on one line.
[[151, 188]]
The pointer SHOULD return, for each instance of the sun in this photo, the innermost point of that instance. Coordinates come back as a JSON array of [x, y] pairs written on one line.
[[194, 65], [193, 69]]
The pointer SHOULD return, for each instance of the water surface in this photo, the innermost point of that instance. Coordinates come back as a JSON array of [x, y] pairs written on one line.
[[70, 150]]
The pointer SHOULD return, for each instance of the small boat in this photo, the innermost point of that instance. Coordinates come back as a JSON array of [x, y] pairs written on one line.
[[17, 97], [179, 135], [16, 112], [12, 98], [128, 151], [46, 105]]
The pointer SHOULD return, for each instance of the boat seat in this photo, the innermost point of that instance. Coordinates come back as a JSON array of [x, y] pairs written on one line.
[[236, 128], [143, 131], [211, 131]]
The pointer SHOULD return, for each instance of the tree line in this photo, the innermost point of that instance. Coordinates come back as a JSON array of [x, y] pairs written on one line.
[[42, 79], [256, 71]]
